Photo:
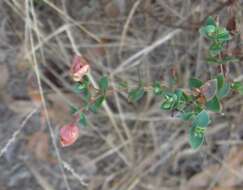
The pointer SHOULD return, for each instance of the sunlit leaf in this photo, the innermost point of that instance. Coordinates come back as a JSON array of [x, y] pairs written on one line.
[[196, 137], [208, 31], [157, 89], [238, 86], [170, 101]]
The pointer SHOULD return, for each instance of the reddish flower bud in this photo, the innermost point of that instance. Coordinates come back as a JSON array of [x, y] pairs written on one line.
[[79, 68], [68, 134]]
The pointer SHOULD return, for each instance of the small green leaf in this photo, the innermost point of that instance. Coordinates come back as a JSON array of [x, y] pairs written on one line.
[[86, 80], [208, 31], [198, 108], [82, 119], [136, 94], [97, 104], [85, 94], [73, 110], [202, 119], [195, 83], [238, 86], [213, 60], [215, 48], [224, 91], [210, 21], [170, 101], [214, 105], [196, 137], [157, 88], [222, 34], [79, 87], [103, 84], [223, 87], [220, 81]]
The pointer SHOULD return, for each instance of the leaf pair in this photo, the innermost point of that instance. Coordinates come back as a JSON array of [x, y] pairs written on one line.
[[214, 32], [174, 100], [197, 131], [82, 118]]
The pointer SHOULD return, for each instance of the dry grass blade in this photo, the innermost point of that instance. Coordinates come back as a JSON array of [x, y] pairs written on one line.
[[16, 133]]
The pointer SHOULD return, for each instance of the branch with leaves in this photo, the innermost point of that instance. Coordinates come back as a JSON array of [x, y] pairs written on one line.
[[193, 104]]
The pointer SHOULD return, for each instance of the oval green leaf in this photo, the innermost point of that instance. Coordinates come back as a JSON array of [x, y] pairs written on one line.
[[196, 139]]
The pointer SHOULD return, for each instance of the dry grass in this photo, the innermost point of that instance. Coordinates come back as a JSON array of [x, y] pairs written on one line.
[[126, 146]]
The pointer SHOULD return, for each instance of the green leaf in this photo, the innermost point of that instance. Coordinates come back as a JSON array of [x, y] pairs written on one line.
[[136, 94], [157, 88], [79, 87], [181, 99], [208, 31], [73, 109], [86, 80], [222, 34], [220, 81], [214, 105], [210, 21], [103, 84], [85, 94], [238, 86], [82, 119], [196, 137], [223, 87], [202, 119], [198, 108], [97, 104], [224, 91], [215, 48], [195, 83], [170, 101], [213, 60]]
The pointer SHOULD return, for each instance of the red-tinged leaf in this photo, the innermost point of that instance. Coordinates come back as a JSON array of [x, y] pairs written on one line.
[[209, 89]]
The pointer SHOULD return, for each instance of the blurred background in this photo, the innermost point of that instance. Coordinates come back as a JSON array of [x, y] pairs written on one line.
[[126, 146]]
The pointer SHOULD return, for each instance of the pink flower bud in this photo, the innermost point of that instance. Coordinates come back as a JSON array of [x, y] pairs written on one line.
[[79, 68], [68, 134]]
